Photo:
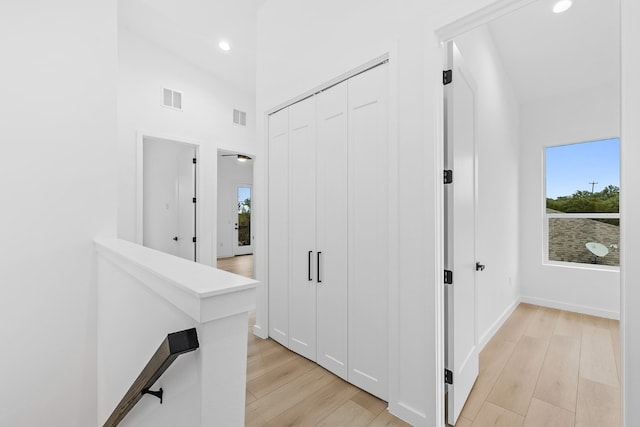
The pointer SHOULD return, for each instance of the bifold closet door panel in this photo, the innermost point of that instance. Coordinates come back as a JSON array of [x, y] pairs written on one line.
[[332, 234], [302, 227], [368, 231], [278, 208]]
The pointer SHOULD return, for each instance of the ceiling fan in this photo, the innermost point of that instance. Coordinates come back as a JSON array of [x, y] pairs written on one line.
[[241, 157]]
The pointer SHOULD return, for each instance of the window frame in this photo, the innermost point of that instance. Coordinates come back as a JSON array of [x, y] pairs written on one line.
[[547, 216]]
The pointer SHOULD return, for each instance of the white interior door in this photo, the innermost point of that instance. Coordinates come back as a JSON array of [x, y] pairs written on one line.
[[243, 243], [332, 232], [168, 192], [302, 227], [368, 231], [186, 183], [461, 349]]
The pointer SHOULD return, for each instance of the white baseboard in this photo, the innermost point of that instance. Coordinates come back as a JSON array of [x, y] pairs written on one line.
[[572, 307], [259, 332], [484, 339], [407, 414]]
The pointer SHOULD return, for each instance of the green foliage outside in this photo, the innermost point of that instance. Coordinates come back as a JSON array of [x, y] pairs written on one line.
[[605, 201], [244, 222]]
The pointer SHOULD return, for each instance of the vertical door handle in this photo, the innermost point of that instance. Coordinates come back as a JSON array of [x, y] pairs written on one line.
[[318, 267], [309, 266]]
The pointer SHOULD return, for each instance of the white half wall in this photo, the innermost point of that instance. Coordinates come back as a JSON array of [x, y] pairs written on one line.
[[57, 162], [497, 151], [231, 173], [206, 120], [581, 117]]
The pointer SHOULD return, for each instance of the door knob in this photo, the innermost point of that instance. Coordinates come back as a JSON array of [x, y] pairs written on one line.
[[479, 267], [175, 239]]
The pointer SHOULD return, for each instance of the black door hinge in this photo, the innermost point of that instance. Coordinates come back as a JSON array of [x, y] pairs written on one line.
[[194, 200], [448, 377], [447, 77], [448, 176], [448, 277], [195, 160], [194, 240]]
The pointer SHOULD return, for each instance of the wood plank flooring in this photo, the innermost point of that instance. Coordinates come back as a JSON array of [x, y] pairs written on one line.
[[544, 367], [285, 389], [242, 265], [547, 367]]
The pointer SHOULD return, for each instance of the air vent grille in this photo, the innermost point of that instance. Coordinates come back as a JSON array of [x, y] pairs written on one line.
[[240, 117], [172, 99]]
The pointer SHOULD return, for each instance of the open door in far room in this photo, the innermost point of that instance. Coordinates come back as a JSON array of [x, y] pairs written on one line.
[[461, 342], [169, 196], [244, 232]]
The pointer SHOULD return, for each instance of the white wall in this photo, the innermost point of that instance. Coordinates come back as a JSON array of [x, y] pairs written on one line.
[[206, 120], [497, 151], [630, 208], [231, 173], [331, 38], [569, 118], [57, 161]]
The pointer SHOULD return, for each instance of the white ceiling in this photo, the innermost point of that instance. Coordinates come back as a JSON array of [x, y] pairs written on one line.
[[546, 54], [192, 30]]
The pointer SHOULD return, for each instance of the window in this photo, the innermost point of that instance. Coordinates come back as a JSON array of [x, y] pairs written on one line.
[[582, 216]]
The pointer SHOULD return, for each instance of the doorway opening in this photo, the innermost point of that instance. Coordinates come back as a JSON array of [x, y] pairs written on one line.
[[235, 199], [543, 79], [168, 219]]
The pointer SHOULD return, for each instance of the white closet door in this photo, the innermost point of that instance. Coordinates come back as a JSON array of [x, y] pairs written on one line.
[[368, 231], [302, 227], [332, 232], [279, 227]]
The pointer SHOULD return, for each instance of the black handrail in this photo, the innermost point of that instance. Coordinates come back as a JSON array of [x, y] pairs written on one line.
[[173, 346]]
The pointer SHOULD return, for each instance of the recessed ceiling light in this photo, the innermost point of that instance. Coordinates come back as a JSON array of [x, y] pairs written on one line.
[[224, 45], [562, 6]]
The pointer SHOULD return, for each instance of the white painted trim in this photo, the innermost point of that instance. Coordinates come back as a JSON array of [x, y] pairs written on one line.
[[480, 17], [583, 309], [438, 167], [583, 215], [351, 73], [139, 199], [407, 413], [582, 266], [484, 339], [260, 332], [394, 235]]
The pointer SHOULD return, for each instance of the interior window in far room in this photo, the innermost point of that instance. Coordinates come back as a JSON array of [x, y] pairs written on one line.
[[582, 191]]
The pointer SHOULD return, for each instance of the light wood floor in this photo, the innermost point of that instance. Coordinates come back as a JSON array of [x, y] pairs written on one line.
[[548, 367], [242, 265], [285, 389]]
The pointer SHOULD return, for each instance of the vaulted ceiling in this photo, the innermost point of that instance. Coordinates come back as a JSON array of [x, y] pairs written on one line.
[[546, 54], [192, 30], [543, 53]]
